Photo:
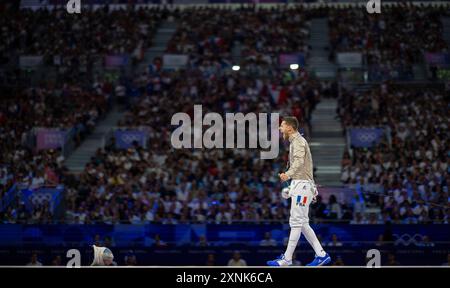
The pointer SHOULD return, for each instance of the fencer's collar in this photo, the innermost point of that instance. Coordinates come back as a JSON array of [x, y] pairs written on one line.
[[293, 136]]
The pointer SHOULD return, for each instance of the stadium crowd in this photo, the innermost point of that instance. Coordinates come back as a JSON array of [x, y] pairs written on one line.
[[406, 175], [391, 42], [158, 184], [54, 33], [208, 35], [66, 106], [69, 108], [161, 184]]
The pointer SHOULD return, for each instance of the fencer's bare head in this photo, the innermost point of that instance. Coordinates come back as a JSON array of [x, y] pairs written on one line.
[[288, 126]]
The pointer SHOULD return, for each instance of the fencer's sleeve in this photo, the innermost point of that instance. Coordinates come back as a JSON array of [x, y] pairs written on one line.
[[297, 159], [98, 259]]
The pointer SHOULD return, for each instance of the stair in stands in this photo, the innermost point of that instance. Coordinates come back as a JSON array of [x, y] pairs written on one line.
[[317, 62], [327, 143], [82, 155]]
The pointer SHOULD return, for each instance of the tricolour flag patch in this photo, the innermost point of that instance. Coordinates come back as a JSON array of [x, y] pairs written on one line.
[[301, 200]]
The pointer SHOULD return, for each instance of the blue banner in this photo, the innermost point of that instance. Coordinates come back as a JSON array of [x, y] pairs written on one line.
[[395, 72], [351, 255], [365, 137], [438, 59], [31, 197], [112, 61], [125, 138], [219, 234]]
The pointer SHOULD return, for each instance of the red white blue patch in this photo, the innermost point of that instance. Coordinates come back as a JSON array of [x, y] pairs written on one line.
[[301, 200]]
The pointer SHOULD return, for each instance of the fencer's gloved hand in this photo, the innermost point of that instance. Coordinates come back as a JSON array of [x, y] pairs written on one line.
[[285, 193], [315, 193]]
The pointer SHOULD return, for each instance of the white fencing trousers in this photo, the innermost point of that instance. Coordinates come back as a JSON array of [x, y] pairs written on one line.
[[302, 193]]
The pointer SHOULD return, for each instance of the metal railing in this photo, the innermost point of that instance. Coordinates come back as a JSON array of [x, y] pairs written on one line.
[[314, 221]]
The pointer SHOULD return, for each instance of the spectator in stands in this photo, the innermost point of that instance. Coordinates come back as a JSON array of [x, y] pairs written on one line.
[[373, 220], [448, 261], [237, 260], [130, 259], [391, 260], [211, 260], [380, 241], [335, 242], [97, 240], [338, 261], [268, 240], [359, 219], [57, 261], [158, 242], [335, 211], [34, 260], [108, 242], [426, 242], [319, 208], [202, 242]]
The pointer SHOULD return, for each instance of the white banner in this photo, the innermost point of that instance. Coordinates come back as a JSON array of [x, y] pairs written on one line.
[[349, 59], [175, 60]]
